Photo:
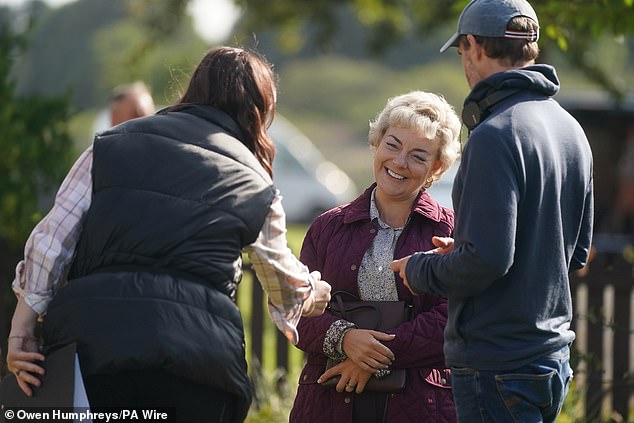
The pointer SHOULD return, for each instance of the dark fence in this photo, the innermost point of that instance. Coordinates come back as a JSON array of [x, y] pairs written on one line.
[[603, 322], [602, 353], [256, 325]]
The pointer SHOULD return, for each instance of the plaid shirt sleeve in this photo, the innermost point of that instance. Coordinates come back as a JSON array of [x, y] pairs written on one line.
[[283, 277], [51, 245]]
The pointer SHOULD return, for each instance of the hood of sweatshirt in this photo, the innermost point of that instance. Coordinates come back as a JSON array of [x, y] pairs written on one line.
[[539, 78]]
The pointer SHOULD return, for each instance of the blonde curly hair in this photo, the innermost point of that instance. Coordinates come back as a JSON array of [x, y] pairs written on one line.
[[427, 114]]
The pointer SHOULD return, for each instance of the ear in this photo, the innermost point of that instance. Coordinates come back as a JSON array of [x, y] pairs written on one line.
[[478, 51], [436, 168]]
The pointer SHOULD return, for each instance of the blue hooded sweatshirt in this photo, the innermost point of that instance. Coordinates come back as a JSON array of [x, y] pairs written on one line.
[[524, 206]]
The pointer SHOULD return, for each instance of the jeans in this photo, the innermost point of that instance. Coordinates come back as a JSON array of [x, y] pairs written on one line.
[[529, 394]]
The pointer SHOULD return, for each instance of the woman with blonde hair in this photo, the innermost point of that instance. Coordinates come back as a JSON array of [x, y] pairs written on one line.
[[414, 141]]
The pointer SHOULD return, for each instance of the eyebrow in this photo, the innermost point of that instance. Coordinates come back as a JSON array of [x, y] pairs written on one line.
[[422, 150]]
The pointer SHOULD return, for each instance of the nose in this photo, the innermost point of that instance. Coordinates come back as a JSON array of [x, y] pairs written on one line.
[[400, 159]]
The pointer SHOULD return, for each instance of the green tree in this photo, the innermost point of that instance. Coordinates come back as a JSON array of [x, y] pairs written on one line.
[[572, 26], [36, 148], [36, 153], [61, 57], [87, 47]]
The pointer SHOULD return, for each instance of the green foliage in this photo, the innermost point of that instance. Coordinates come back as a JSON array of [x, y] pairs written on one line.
[[163, 66], [61, 56], [89, 46], [577, 27], [570, 26], [273, 397], [573, 410], [36, 148], [391, 20], [340, 89]]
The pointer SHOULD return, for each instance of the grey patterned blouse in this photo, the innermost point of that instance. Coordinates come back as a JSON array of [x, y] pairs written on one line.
[[376, 279]]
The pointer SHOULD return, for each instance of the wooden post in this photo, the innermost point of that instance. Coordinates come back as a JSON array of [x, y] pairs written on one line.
[[594, 380], [257, 321], [623, 280]]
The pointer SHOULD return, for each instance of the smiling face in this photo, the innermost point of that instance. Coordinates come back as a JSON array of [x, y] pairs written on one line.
[[402, 163]]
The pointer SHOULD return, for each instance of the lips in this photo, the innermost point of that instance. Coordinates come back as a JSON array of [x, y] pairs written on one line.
[[394, 175]]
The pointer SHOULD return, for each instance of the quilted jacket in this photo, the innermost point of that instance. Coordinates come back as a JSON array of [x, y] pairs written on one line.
[[335, 245], [176, 196]]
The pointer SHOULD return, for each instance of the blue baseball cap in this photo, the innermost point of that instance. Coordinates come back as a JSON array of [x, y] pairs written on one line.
[[489, 18]]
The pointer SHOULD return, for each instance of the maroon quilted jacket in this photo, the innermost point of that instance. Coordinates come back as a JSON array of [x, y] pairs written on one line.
[[335, 245]]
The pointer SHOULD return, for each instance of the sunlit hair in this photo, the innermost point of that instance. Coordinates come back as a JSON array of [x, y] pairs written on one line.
[[511, 52], [429, 115], [241, 83]]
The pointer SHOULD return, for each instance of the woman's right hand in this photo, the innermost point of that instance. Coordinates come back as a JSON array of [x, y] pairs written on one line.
[[22, 348], [22, 358], [320, 297], [362, 346]]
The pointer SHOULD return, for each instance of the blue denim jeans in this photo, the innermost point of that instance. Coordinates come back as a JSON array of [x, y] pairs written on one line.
[[530, 394]]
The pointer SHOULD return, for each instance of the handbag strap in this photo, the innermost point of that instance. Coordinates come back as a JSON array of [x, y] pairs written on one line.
[[343, 309], [339, 294]]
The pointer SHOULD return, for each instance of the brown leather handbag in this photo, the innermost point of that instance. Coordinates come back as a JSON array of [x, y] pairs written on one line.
[[375, 315]]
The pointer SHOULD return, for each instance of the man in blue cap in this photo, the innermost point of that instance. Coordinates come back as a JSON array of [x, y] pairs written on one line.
[[524, 208]]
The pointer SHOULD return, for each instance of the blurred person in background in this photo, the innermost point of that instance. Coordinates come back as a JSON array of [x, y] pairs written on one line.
[[414, 141], [139, 259], [523, 198], [130, 101]]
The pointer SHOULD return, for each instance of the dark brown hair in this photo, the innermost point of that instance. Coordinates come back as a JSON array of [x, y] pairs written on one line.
[[242, 84], [511, 52]]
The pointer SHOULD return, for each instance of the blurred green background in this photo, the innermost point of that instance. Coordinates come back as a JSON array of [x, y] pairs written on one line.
[[338, 61]]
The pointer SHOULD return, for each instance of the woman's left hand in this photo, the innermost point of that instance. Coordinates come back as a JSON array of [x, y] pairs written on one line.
[[353, 377], [364, 348]]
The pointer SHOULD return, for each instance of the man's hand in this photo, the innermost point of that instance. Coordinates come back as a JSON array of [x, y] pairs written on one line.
[[398, 266], [320, 297], [444, 245]]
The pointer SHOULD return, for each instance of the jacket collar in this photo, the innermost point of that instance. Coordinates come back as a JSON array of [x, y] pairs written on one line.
[[208, 113], [359, 209]]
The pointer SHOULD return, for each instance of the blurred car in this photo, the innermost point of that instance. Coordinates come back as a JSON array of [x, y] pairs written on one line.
[[309, 183]]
